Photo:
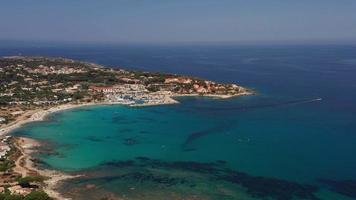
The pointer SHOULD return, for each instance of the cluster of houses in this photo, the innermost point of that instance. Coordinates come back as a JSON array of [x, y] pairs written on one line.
[[17, 189], [179, 80], [129, 94], [33, 86], [45, 70], [4, 146], [124, 88], [203, 87], [139, 94]]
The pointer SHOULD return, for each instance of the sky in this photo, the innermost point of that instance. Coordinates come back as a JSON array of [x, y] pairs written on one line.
[[164, 21]]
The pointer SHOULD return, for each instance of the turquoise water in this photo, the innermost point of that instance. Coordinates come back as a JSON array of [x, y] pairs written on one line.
[[280, 144]]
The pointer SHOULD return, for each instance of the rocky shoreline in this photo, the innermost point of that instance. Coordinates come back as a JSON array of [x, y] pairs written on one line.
[[25, 165]]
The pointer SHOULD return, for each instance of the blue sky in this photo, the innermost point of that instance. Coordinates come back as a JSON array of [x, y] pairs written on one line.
[[158, 21]]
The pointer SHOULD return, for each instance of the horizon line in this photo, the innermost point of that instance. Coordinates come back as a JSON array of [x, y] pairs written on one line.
[[14, 42]]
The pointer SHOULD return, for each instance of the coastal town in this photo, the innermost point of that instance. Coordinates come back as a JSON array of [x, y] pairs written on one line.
[[33, 87], [29, 83]]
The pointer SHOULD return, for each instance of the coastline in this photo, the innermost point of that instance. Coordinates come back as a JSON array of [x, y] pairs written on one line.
[[217, 96], [25, 165], [41, 114]]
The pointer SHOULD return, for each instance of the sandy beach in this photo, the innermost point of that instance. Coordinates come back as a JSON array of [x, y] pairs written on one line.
[[37, 115]]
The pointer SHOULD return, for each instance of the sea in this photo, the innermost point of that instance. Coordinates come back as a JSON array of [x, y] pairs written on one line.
[[294, 139]]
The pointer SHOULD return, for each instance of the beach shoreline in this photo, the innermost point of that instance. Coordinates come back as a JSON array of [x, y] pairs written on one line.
[[41, 114]]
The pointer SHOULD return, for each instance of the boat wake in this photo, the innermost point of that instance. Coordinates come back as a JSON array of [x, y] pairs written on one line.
[[287, 103], [308, 101], [267, 105]]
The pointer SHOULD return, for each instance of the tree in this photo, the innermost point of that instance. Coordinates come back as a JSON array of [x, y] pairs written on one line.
[[37, 195], [8, 196], [26, 181]]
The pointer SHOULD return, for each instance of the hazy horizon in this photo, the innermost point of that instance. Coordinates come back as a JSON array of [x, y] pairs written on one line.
[[53, 43], [208, 21]]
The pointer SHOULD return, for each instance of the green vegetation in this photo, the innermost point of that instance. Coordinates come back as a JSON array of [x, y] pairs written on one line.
[[8, 196], [26, 181], [6, 165], [35, 195], [153, 88]]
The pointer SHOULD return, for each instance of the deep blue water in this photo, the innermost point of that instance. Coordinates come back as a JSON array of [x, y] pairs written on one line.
[[280, 133]]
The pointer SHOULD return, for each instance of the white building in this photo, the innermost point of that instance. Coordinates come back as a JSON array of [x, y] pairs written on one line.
[[2, 120], [4, 148]]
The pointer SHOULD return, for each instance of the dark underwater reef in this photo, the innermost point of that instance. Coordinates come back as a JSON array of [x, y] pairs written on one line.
[[93, 139], [225, 126], [200, 134], [344, 187], [256, 186], [143, 170], [141, 177], [259, 186]]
